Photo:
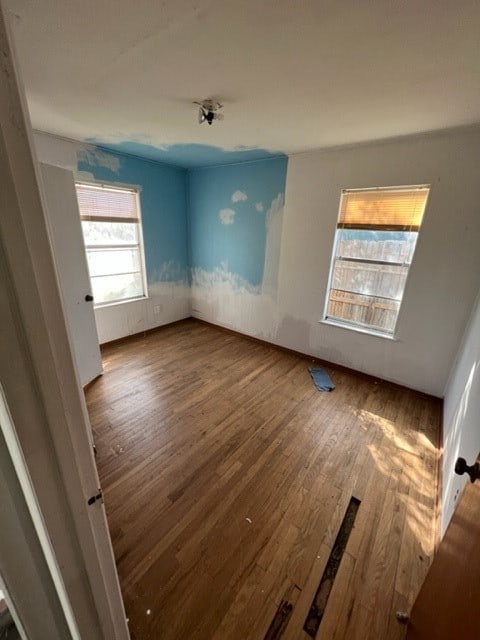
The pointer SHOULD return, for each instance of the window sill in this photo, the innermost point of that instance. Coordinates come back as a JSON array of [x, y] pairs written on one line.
[[368, 332], [118, 302]]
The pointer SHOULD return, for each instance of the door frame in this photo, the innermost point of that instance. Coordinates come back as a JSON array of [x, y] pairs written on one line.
[[29, 574], [39, 378]]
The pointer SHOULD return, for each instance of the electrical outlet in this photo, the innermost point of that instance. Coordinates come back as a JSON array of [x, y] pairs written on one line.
[[157, 309]]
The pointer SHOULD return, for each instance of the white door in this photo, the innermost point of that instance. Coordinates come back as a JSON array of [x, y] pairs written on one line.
[[69, 254]]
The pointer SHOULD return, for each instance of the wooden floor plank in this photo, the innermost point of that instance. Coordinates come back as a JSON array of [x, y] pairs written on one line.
[[226, 475]]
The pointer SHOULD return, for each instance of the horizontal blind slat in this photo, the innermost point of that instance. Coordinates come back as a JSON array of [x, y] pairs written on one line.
[[383, 208], [106, 218], [108, 204]]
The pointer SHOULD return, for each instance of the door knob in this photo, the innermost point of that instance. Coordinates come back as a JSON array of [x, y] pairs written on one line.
[[88, 298], [462, 467]]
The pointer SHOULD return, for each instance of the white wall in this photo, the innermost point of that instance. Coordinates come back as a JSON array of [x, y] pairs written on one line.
[[445, 274], [461, 417], [166, 302], [444, 277], [134, 316]]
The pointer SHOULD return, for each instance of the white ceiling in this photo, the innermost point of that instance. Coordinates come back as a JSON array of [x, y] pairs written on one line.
[[293, 74]]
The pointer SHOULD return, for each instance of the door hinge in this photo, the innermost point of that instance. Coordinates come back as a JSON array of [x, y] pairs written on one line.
[[95, 498]]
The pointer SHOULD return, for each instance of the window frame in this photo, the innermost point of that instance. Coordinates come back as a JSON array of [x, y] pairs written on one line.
[[136, 189], [349, 324]]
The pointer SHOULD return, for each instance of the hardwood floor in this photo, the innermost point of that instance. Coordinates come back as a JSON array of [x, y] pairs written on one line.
[[226, 476]]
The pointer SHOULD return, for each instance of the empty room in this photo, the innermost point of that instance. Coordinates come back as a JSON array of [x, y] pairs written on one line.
[[240, 331]]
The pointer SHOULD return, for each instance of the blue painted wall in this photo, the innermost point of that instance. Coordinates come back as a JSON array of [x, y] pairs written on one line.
[[206, 218], [163, 199], [227, 209]]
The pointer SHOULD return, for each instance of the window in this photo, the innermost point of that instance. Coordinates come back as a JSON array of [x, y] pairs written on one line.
[[375, 241], [113, 241]]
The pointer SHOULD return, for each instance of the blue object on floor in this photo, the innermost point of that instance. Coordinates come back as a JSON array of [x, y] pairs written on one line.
[[322, 380]]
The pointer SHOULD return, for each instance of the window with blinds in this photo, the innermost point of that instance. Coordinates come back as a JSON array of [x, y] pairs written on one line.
[[113, 241], [375, 241]]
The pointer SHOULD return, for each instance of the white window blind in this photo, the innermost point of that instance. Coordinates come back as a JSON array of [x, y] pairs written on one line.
[[99, 202], [376, 236], [387, 209], [113, 241]]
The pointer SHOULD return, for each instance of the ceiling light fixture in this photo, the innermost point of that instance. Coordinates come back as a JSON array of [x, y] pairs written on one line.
[[209, 111]]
